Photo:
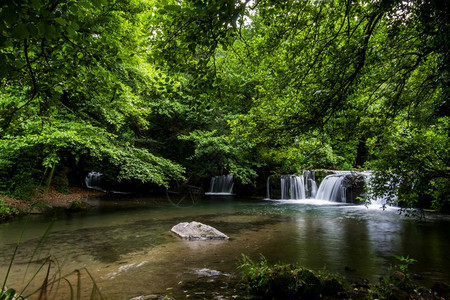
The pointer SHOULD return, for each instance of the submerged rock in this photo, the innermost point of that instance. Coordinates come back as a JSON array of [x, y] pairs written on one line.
[[198, 231], [209, 273], [151, 297]]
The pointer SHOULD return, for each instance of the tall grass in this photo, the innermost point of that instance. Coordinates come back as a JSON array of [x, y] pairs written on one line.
[[53, 279]]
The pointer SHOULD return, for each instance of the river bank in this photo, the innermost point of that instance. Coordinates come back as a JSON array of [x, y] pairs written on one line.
[[45, 202]]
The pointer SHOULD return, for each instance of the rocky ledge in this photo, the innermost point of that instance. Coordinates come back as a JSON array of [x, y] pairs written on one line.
[[197, 231]]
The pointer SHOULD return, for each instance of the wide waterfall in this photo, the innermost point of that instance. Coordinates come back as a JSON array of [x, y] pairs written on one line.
[[221, 185], [336, 186]]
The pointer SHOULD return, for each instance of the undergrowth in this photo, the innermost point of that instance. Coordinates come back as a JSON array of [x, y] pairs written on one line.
[[7, 211], [291, 281]]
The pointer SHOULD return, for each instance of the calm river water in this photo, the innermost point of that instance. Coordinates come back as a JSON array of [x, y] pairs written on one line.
[[127, 247]]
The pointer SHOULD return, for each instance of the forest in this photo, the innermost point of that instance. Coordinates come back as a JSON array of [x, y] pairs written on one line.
[[158, 91]]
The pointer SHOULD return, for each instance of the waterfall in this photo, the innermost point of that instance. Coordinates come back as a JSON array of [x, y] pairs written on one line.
[[221, 185], [94, 180], [340, 186], [286, 187], [332, 189], [337, 186], [292, 187], [268, 187], [309, 179], [313, 188]]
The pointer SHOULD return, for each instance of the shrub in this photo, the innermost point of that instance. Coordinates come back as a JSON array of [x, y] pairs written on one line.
[[288, 281], [7, 211]]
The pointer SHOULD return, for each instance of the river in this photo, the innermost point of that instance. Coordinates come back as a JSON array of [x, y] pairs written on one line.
[[126, 244]]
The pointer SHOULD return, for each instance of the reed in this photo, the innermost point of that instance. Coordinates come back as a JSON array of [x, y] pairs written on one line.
[[53, 278]]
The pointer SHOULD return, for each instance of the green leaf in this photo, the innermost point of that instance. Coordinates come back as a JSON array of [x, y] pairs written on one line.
[[97, 3], [8, 295], [74, 26], [59, 89], [21, 31], [174, 8], [41, 29], [86, 4], [60, 21], [32, 29], [35, 4]]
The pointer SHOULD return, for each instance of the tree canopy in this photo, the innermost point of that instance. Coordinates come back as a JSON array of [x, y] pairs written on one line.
[[156, 91]]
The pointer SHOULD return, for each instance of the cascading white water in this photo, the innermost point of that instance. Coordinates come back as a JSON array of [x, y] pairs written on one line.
[[221, 185], [309, 179], [298, 190], [94, 180], [340, 187], [332, 189], [313, 188], [292, 187]]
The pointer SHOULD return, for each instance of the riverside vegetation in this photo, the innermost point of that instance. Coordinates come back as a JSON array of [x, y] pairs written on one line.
[[281, 281]]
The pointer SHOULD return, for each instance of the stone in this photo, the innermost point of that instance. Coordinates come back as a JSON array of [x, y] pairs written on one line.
[[441, 289], [398, 277], [151, 297], [349, 269], [197, 231], [209, 273], [398, 294]]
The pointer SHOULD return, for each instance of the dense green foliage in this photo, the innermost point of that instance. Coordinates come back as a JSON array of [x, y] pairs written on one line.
[[155, 91], [73, 92]]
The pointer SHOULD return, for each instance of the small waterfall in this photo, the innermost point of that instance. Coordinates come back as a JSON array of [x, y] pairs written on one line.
[[292, 187], [309, 179], [221, 185], [332, 189], [313, 188], [287, 187], [94, 180]]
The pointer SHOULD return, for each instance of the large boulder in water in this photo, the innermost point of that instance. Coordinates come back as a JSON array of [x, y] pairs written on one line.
[[197, 231]]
